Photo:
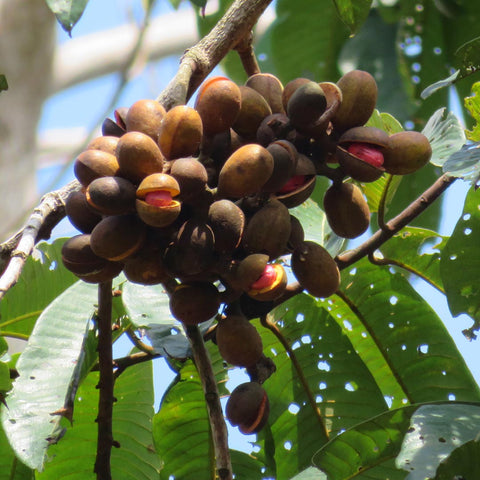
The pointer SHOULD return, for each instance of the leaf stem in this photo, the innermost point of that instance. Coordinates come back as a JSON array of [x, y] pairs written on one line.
[[267, 323], [26, 316], [20, 336], [105, 384], [212, 398]]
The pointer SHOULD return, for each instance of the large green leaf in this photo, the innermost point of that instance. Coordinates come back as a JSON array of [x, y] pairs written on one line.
[[49, 370], [42, 280], [339, 384], [68, 12], [303, 41], [135, 459], [353, 13], [400, 338], [418, 251], [460, 262], [420, 437], [181, 429]]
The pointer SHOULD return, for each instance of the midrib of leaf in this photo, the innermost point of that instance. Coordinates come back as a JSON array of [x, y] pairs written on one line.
[[19, 318], [377, 345]]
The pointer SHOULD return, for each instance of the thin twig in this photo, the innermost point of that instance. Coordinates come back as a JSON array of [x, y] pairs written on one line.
[[130, 332], [105, 385], [267, 323], [39, 226], [247, 56], [382, 204], [212, 398]]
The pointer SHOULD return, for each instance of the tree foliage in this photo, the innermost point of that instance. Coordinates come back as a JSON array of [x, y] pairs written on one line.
[[368, 383]]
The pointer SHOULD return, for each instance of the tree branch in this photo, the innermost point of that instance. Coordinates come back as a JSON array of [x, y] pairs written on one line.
[[105, 384], [39, 226], [201, 59], [212, 398]]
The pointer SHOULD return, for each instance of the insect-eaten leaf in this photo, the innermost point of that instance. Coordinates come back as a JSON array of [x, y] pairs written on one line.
[[469, 56], [472, 104], [68, 12]]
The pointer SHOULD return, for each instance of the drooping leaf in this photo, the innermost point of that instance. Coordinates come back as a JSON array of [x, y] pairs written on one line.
[[181, 429], [68, 12], [445, 134], [446, 82], [136, 458], [23, 303], [400, 338], [459, 464], [418, 251], [353, 13], [419, 436], [341, 388], [460, 262], [472, 104], [47, 369]]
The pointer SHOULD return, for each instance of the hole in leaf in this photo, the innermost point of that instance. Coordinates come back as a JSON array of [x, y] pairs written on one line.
[[274, 352], [351, 386], [451, 397], [364, 334], [388, 401], [466, 217], [293, 408], [299, 318], [423, 349], [404, 347], [319, 399], [393, 300], [353, 271], [325, 366], [453, 256], [348, 325], [391, 325], [322, 386], [467, 231], [306, 339], [296, 345], [287, 445]]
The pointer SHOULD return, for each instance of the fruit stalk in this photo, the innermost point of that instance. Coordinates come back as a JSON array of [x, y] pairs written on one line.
[[212, 398]]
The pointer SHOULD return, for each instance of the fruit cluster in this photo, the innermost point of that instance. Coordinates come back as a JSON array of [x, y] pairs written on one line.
[[202, 196]]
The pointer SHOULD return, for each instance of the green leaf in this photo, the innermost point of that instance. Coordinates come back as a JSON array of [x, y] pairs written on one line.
[[418, 251], [49, 369], [445, 134], [446, 82], [11, 468], [419, 436], [136, 458], [460, 262], [472, 104], [374, 191], [303, 41], [68, 12], [469, 56], [5, 381], [400, 338], [384, 121], [459, 464], [465, 163], [22, 304], [181, 429], [353, 13], [339, 384], [3, 83]]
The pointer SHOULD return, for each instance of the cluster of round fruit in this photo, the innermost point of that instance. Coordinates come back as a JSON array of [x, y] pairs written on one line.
[[202, 196]]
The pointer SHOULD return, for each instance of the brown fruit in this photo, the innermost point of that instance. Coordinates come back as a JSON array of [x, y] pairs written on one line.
[[106, 143], [117, 237], [285, 159], [145, 116], [191, 176], [155, 203], [218, 103], [290, 88], [245, 172], [111, 195], [270, 285], [138, 156], [92, 164], [248, 407], [227, 222], [359, 97], [238, 341], [195, 302], [315, 269], [180, 133], [79, 212], [306, 106], [254, 108], [268, 230], [406, 153], [347, 210], [271, 89]]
